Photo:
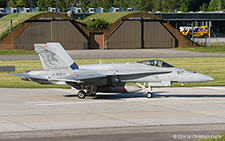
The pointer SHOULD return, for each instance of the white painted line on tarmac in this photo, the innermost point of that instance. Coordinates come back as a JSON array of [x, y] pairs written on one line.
[[64, 90], [55, 103], [213, 88]]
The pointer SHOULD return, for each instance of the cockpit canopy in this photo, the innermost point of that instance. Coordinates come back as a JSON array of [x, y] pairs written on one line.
[[157, 63]]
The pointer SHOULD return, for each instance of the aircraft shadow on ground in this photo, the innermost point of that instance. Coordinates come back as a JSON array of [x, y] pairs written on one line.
[[120, 96], [142, 95], [188, 96], [113, 96]]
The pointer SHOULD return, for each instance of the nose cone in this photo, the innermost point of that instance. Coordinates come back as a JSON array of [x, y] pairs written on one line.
[[204, 78], [211, 79]]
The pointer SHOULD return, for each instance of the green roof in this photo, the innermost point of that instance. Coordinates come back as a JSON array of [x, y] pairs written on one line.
[[109, 17], [17, 18]]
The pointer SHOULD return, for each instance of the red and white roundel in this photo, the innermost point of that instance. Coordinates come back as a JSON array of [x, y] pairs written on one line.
[[45, 46]]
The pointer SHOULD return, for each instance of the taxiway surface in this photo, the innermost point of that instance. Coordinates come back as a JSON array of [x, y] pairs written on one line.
[[57, 114], [123, 53]]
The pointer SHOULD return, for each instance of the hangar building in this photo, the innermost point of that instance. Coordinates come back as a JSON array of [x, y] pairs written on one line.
[[46, 27], [134, 31]]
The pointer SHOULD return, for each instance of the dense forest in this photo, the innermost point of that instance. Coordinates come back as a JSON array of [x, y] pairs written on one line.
[[140, 5]]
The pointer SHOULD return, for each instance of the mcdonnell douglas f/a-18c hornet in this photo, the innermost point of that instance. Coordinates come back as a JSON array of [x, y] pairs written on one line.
[[59, 68]]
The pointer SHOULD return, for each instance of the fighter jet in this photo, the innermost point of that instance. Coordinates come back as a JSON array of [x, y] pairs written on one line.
[[59, 68]]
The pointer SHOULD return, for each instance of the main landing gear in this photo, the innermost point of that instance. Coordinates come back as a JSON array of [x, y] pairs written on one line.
[[148, 91], [90, 91], [81, 94]]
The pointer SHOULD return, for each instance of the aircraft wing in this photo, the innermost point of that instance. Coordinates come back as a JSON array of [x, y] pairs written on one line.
[[90, 76], [78, 78]]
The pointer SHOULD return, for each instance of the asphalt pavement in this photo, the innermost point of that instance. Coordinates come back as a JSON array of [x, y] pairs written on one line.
[[57, 114], [186, 113], [123, 53]]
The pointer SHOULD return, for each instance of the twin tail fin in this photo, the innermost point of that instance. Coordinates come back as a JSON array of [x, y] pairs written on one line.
[[54, 57]]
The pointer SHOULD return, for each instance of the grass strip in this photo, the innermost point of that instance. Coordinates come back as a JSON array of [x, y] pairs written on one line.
[[17, 52], [215, 48]]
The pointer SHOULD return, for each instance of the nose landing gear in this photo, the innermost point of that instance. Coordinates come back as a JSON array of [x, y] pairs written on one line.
[[149, 95], [148, 91]]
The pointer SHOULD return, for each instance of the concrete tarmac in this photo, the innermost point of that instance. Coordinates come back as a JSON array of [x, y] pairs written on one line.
[[57, 114], [123, 53]]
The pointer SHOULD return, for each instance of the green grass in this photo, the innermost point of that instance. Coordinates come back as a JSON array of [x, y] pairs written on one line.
[[17, 18], [109, 17], [215, 48], [214, 67], [17, 52]]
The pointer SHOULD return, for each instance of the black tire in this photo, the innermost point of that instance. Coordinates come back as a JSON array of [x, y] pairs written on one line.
[[81, 94], [149, 95]]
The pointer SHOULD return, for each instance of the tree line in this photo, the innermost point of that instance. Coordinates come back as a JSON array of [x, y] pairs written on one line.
[[140, 5]]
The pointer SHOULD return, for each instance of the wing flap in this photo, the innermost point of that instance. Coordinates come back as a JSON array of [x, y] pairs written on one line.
[[79, 78], [84, 77]]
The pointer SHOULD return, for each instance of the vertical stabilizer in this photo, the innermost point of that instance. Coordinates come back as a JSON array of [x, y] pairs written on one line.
[[54, 57]]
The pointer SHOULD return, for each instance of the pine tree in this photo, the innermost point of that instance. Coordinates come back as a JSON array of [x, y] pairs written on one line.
[[168, 5], [216, 5], [22, 3], [62, 6], [93, 4], [142, 5], [3, 3], [10, 3], [157, 5], [123, 4], [184, 5], [116, 3], [84, 4], [41, 5], [203, 7], [106, 4]]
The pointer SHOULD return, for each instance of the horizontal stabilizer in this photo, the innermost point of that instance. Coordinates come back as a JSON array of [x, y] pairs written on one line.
[[26, 75]]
